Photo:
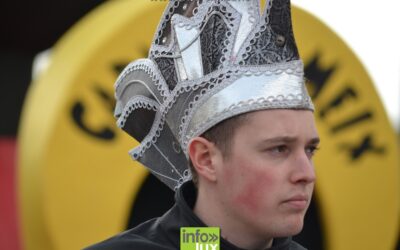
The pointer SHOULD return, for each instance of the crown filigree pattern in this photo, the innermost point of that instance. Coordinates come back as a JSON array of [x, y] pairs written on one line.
[[209, 60]]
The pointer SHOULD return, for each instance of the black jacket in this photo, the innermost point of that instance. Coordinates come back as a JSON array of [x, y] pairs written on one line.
[[163, 233]]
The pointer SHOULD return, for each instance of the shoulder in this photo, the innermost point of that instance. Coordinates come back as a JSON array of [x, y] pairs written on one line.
[[286, 244], [296, 246], [143, 237]]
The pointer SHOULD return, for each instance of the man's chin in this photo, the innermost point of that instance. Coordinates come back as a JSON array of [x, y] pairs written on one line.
[[291, 228]]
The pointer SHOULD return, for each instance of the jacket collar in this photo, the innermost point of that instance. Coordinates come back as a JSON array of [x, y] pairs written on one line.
[[182, 215]]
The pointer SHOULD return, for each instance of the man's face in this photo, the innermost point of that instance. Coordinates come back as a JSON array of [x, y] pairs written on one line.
[[266, 181]]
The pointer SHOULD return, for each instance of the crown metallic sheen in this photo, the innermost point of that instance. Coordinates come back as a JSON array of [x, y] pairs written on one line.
[[209, 60]]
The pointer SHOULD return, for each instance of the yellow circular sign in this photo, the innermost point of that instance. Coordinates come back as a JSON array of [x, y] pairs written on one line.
[[358, 166], [78, 183]]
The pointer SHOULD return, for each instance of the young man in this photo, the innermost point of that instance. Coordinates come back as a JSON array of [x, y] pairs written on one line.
[[259, 185], [222, 92]]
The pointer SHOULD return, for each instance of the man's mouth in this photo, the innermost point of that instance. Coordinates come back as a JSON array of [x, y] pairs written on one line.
[[297, 202]]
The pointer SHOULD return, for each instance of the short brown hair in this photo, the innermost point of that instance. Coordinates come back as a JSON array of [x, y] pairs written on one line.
[[221, 135]]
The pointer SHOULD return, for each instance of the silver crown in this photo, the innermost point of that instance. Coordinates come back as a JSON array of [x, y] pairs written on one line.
[[210, 60]]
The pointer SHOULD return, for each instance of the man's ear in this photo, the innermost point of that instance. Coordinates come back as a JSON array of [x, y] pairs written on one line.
[[203, 155]]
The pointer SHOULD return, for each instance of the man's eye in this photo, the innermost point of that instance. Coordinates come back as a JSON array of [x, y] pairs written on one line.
[[279, 149], [311, 150]]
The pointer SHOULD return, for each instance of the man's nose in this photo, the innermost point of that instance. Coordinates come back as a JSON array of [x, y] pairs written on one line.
[[303, 169]]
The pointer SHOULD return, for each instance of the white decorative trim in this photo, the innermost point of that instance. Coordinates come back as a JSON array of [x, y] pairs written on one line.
[[136, 102], [230, 89], [150, 68], [292, 68], [255, 34], [270, 102]]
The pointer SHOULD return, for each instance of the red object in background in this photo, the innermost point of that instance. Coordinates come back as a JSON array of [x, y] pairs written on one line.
[[9, 224]]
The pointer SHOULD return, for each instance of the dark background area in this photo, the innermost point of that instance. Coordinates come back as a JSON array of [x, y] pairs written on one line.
[[26, 29]]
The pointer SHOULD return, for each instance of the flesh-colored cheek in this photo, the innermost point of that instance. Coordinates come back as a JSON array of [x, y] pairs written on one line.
[[253, 194]]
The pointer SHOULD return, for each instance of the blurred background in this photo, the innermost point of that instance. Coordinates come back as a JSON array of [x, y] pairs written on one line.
[[66, 180]]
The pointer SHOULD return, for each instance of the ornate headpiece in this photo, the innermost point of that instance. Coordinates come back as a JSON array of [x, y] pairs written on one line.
[[209, 60]]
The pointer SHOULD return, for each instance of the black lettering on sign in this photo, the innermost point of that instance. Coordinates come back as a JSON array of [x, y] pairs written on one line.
[[318, 76], [347, 93], [118, 67], [78, 112], [366, 145], [352, 121], [144, 51], [107, 98], [318, 79]]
